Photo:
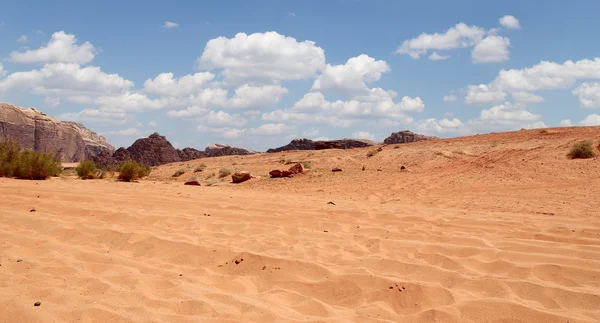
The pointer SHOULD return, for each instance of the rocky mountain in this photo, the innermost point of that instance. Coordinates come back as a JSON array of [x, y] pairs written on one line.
[[406, 136], [215, 150], [155, 150], [34, 130], [307, 144]]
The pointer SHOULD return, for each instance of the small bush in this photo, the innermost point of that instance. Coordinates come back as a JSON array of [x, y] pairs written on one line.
[[210, 176], [179, 172], [35, 165], [212, 182], [543, 131], [582, 149], [200, 168], [130, 170], [224, 172], [374, 152], [285, 161], [86, 169], [9, 152], [307, 164]]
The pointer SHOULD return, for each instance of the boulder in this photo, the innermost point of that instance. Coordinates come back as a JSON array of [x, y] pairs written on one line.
[[36, 131], [406, 136], [280, 173], [297, 169], [240, 177], [192, 181]]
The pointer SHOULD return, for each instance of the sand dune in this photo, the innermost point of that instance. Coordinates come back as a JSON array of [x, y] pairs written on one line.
[[494, 228]]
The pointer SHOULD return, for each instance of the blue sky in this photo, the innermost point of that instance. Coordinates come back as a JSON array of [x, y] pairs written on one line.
[[258, 74]]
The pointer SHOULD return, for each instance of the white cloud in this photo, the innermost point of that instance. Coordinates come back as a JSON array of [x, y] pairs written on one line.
[[589, 95], [267, 130], [449, 98], [459, 36], [222, 119], [492, 49], [95, 116], [483, 94], [2, 71], [351, 77], [22, 39], [247, 96], [166, 85], [292, 14], [128, 102], [51, 102], [62, 79], [437, 57], [507, 112], [566, 123], [510, 22], [152, 124], [191, 111], [265, 57], [363, 135], [442, 126], [80, 99], [526, 97], [591, 120], [129, 132], [170, 24], [62, 48]]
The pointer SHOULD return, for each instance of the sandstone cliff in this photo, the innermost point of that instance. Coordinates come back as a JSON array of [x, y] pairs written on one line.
[[34, 130], [307, 144]]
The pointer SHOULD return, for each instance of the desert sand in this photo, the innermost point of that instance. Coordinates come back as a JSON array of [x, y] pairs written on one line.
[[489, 228]]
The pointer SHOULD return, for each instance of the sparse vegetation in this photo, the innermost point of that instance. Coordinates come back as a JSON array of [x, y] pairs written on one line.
[[200, 168], [179, 172], [374, 152], [224, 172], [86, 169], [582, 149], [212, 182], [307, 164], [285, 161], [130, 170], [25, 164], [543, 131], [210, 176]]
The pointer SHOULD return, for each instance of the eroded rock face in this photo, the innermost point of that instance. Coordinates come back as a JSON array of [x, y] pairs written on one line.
[[406, 136], [216, 150], [296, 144], [34, 130]]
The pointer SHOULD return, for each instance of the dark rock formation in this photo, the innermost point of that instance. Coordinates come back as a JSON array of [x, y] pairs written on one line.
[[406, 136], [307, 144], [216, 150], [192, 181], [241, 177], [296, 144], [34, 130], [154, 150]]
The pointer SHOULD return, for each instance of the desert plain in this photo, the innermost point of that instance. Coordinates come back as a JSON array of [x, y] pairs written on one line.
[[490, 228]]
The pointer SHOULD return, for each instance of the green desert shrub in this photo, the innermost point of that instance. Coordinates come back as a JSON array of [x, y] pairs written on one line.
[[374, 152], [582, 149], [86, 169], [200, 168], [307, 164], [179, 172], [130, 170], [224, 172], [26, 164]]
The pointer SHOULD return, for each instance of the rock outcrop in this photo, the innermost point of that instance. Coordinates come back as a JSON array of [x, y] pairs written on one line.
[[155, 150], [34, 130], [296, 144], [307, 144], [240, 177], [406, 136], [216, 150]]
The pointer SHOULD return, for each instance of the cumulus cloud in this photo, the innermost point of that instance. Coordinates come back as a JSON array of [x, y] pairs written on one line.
[[266, 130], [491, 49], [62, 48], [22, 39], [591, 120], [483, 94], [459, 36], [442, 126], [437, 57], [62, 79], [170, 24], [51, 102], [566, 123], [129, 132], [526, 97], [507, 112], [248, 96], [449, 98], [363, 135], [152, 123], [351, 77], [165, 84], [263, 57], [589, 95], [222, 119], [510, 22], [2, 71], [95, 116]]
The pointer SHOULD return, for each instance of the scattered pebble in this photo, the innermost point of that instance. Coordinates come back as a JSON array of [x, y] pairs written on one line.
[[32, 210], [330, 203], [237, 262], [37, 303], [180, 275], [264, 267], [19, 260], [325, 231]]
